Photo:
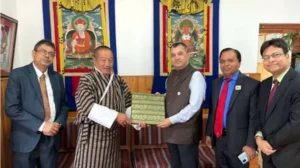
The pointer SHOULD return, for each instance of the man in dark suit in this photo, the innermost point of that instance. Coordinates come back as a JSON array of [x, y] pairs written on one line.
[[278, 136], [233, 116], [36, 103]]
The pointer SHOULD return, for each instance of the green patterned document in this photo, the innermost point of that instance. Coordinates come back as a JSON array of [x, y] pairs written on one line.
[[147, 108]]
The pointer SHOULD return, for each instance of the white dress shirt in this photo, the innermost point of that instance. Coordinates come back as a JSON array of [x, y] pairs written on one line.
[[50, 96], [197, 87]]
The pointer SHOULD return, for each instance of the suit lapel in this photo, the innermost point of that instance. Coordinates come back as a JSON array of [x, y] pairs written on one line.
[[264, 96], [217, 92], [215, 98], [283, 85], [35, 83], [235, 92]]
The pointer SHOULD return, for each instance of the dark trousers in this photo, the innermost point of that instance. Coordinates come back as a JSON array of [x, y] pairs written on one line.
[[267, 161], [268, 165], [183, 155], [42, 156], [226, 159]]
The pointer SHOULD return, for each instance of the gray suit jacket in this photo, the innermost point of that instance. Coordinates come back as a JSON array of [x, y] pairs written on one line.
[[242, 116], [24, 106]]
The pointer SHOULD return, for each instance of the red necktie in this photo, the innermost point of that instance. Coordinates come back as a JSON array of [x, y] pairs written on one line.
[[218, 128], [272, 93]]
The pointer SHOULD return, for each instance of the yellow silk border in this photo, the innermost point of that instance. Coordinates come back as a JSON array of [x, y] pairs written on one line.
[[104, 19], [185, 7], [169, 36]]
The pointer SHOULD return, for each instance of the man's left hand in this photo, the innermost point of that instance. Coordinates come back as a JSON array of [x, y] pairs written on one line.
[[57, 125], [250, 152], [166, 123]]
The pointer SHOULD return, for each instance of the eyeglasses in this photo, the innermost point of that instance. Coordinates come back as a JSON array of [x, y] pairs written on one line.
[[44, 52], [274, 56]]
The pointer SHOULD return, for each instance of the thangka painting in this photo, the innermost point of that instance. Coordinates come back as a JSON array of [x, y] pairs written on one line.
[[78, 34], [187, 29], [193, 30], [194, 23], [8, 34]]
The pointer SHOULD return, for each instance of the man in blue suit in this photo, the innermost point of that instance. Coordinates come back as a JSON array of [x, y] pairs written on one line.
[[36, 103]]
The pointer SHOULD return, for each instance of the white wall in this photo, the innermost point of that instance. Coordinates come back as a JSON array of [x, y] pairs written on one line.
[[239, 23], [30, 26], [30, 29], [134, 36], [8, 7]]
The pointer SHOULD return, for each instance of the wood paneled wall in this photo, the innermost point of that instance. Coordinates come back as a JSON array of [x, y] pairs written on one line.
[[140, 84], [5, 126]]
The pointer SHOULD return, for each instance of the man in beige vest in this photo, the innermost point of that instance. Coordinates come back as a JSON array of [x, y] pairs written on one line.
[[185, 91]]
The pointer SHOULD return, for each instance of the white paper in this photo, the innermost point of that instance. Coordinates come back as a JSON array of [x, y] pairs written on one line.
[[103, 115]]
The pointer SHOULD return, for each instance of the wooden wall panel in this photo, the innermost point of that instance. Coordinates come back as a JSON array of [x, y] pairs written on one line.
[[6, 154], [140, 84]]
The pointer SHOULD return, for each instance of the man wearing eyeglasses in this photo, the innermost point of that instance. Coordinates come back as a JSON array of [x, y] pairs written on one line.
[[36, 103], [278, 136]]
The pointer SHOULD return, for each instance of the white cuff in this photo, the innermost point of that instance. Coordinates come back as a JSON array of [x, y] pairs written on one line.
[[103, 115], [42, 127], [128, 112]]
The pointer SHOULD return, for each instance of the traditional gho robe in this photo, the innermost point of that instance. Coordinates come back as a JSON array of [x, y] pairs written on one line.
[[99, 146]]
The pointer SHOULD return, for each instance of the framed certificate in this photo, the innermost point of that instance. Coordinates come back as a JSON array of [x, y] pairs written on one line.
[[147, 108]]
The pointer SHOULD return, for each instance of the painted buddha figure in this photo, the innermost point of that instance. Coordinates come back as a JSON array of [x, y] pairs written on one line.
[[81, 40]]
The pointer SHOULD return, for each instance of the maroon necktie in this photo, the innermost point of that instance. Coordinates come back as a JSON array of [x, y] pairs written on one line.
[[218, 128], [272, 93]]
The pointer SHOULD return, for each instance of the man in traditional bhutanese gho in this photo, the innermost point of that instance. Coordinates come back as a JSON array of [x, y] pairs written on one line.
[[101, 98], [185, 91]]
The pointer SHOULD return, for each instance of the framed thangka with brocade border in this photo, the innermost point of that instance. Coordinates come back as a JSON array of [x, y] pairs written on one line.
[[194, 30], [8, 35], [76, 35]]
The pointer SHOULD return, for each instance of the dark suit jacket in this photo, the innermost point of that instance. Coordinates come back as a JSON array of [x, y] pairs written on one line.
[[242, 116], [24, 106], [281, 123]]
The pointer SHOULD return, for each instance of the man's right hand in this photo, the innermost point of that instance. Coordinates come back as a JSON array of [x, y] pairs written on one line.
[[122, 119], [264, 146], [208, 141], [50, 128]]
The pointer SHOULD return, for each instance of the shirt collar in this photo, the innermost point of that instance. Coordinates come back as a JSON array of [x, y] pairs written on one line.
[[38, 72], [234, 76], [280, 77]]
